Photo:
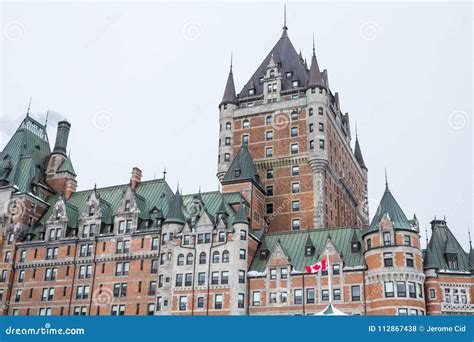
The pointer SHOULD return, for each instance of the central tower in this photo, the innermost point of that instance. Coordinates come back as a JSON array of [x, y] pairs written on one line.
[[299, 141]]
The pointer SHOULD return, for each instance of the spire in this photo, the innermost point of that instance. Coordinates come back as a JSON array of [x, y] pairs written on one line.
[[314, 72], [229, 91], [285, 28], [46, 121], [428, 260], [175, 212], [29, 106], [386, 179], [358, 153], [241, 216]]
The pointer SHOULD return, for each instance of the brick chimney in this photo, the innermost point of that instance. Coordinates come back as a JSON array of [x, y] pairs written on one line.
[[136, 177], [71, 186]]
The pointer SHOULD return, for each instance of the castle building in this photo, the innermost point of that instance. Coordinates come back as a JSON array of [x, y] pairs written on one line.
[[294, 193]]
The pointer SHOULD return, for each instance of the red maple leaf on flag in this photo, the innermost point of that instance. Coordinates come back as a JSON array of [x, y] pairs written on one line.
[[317, 266]]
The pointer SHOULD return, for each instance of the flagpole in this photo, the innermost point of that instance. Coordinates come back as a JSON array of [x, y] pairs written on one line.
[[329, 277]]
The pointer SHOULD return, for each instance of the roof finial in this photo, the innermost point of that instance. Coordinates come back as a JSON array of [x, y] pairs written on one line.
[[386, 179], [284, 18], [426, 236], [231, 60], [29, 106], [356, 132], [46, 121], [314, 48], [469, 234], [164, 173]]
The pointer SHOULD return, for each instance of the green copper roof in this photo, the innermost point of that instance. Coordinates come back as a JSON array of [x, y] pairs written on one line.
[[442, 241], [24, 157], [243, 169], [293, 243], [388, 205], [72, 215], [471, 260], [241, 216], [66, 166], [175, 211]]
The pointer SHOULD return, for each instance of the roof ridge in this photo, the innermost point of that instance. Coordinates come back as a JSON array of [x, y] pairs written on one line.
[[307, 230], [160, 180]]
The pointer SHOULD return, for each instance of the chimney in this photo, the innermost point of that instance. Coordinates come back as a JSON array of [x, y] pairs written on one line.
[[136, 177], [62, 136], [71, 186]]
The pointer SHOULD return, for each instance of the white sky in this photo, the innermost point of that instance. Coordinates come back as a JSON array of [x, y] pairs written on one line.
[[140, 84]]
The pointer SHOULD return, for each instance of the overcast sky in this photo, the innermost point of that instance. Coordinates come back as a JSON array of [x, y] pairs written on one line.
[[140, 84]]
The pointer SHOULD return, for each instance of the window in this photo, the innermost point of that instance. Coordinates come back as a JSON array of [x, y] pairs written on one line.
[[201, 278], [52, 253], [410, 260], [269, 173], [215, 257], [189, 259], [47, 294], [269, 120], [7, 256], [321, 144], [245, 123], [432, 293], [225, 277], [320, 110], [228, 126], [50, 274], [419, 290], [200, 303], [127, 205], [295, 83], [309, 296], [218, 301], [387, 259], [269, 208], [269, 135], [325, 295], [321, 127], [387, 239], [241, 277], [251, 92], [336, 269], [152, 286], [452, 261], [388, 286], [4, 276], [179, 280], [256, 298], [240, 301], [215, 278], [122, 268], [337, 294], [188, 279], [269, 152], [369, 243], [273, 273], [295, 224], [273, 297], [154, 266], [447, 295], [227, 157], [225, 256], [294, 115], [245, 139], [402, 312], [401, 289], [295, 170], [44, 312], [269, 190], [355, 293], [311, 144], [243, 235], [182, 302], [294, 148], [21, 276], [294, 131], [283, 273], [122, 247], [298, 297], [407, 240], [227, 141], [202, 258], [411, 290], [242, 254], [295, 205], [180, 259], [221, 236], [295, 188]]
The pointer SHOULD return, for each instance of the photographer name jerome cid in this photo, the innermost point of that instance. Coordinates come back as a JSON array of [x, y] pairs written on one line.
[[456, 328]]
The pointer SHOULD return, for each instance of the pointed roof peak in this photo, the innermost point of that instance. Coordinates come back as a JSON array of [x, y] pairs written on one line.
[[241, 215], [243, 168], [285, 28], [358, 153], [386, 181], [314, 71], [229, 92]]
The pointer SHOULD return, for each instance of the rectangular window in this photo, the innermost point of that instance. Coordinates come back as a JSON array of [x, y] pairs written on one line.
[[295, 224], [369, 243], [256, 298], [154, 266], [389, 291], [218, 301], [355, 293], [321, 127], [241, 301], [410, 260], [295, 206], [269, 208], [336, 269], [294, 148], [269, 152], [273, 273], [432, 293], [321, 144], [283, 297], [269, 136], [245, 139], [243, 235], [182, 302], [412, 290], [273, 297], [283, 273], [241, 277], [269, 190], [311, 128], [402, 312], [298, 296], [188, 279], [325, 295], [179, 280], [401, 289], [310, 296], [200, 303], [407, 240], [215, 278], [269, 173], [387, 259], [201, 278], [295, 188], [387, 238], [311, 144], [419, 290], [152, 286], [242, 254], [295, 170], [224, 277], [294, 131], [337, 294]]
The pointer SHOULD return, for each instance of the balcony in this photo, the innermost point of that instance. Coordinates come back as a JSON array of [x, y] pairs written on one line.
[[457, 308]]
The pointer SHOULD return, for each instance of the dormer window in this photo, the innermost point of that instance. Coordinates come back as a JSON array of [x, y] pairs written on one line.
[[387, 239], [308, 251], [91, 210], [263, 254], [289, 74], [272, 73], [58, 215], [237, 173], [261, 79], [452, 260], [355, 247], [127, 205], [251, 92], [296, 84]]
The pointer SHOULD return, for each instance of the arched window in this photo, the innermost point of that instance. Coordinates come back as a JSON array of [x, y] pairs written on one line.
[[320, 110], [228, 126], [202, 258], [225, 256], [215, 257], [311, 111], [189, 259], [180, 259], [246, 123], [272, 73]]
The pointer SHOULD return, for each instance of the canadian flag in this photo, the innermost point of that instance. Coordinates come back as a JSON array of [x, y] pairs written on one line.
[[317, 266]]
